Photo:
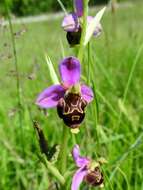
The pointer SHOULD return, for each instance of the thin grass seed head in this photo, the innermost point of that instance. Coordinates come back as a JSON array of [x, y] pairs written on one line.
[[70, 97]]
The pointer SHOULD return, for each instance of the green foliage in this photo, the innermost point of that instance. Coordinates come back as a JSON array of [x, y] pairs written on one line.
[[33, 7], [117, 135]]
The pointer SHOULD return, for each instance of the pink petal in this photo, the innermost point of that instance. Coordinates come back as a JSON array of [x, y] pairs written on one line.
[[98, 29], [80, 161], [70, 71], [70, 23], [50, 96], [79, 7], [87, 93], [78, 178]]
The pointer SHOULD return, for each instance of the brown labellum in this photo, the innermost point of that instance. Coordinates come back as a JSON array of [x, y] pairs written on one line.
[[94, 178], [74, 37], [71, 109]]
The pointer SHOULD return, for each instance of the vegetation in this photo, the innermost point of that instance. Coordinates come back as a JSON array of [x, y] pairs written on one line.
[[115, 74], [33, 7]]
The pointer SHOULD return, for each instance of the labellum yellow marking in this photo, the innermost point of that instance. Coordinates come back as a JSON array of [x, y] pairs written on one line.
[[75, 117], [75, 131]]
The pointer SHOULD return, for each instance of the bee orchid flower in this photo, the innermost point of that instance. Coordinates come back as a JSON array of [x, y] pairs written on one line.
[[70, 97], [89, 171], [72, 24]]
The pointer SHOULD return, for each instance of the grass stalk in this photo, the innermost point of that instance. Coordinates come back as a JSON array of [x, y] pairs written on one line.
[[129, 81], [19, 101]]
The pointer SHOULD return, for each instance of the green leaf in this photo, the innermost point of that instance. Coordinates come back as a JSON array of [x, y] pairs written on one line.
[[52, 72], [52, 168], [93, 24]]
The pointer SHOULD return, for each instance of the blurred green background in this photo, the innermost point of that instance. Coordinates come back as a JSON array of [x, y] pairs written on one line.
[[33, 7]]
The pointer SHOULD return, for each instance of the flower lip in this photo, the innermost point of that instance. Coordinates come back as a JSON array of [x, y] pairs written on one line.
[[74, 37], [94, 178], [71, 109]]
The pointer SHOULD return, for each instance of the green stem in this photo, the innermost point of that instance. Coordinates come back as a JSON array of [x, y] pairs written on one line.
[[55, 172], [84, 26], [88, 69], [74, 139], [14, 53], [63, 153], [52, 169]]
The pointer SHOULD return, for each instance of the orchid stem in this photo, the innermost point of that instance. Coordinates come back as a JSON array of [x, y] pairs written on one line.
[[74, 139], [63, 153], [55, 172], [52, 169], [88, 69], [85, 14]]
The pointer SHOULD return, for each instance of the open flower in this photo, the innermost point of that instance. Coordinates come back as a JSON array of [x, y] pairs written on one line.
[[70, 97], [72, 24], [89, 171]]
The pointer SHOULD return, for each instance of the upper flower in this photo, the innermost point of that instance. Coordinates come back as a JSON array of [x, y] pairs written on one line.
[[70, 102], [88, 171], [72, 24]]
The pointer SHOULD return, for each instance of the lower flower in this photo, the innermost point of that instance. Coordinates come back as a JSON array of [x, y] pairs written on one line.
[[89, 171]]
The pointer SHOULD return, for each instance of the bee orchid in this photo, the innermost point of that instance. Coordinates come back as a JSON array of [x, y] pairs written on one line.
[[89, 171], [72, 24], [70, 97]]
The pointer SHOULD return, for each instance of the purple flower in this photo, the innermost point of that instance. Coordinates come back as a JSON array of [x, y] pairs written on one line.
[[70, 97], [72, 24], [88, 171]]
